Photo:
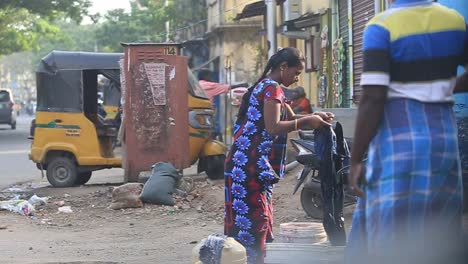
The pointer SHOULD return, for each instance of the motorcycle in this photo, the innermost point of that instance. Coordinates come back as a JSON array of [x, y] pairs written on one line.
[[311, 193]]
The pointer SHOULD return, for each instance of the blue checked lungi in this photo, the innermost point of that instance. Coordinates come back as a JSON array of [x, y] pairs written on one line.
[[414, 188]]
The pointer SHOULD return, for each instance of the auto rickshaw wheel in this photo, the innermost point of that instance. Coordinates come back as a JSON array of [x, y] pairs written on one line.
[[215, 166], [62, 172], [83, 177]]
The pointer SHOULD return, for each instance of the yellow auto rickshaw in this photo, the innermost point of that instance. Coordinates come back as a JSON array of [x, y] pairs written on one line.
[[70, 139], [209, 153]]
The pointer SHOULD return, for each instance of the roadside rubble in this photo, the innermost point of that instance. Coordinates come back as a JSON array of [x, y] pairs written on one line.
[[76, 207], [20, 206], [20, 200], [127, 196], [163, 185], [65, 209], [160, 186]]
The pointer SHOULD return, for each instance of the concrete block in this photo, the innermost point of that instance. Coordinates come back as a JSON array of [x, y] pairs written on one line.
[[288, 253]]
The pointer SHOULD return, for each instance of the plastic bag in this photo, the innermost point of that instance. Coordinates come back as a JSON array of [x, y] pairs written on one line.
[[15, 190], [18, 206], [65, 209], [212, 248], [36, 200], [160, 186]]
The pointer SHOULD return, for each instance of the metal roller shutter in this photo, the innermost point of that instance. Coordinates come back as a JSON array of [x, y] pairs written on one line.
[[344, 33], [343, 17], [363, 12]]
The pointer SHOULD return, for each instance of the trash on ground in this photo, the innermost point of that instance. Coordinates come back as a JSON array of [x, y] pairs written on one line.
[[46, 221], [18, 206], [36, 200], [180, 193], [60, 203], [185, 185], [65, 209], [127, 196], [160, 186], [217, 249], [14, 190]]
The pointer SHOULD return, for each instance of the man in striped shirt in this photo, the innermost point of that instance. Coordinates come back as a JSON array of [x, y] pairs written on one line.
[[410, 208]]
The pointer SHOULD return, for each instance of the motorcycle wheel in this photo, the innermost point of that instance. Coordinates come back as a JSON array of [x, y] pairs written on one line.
[[312, 203], [215, 167]]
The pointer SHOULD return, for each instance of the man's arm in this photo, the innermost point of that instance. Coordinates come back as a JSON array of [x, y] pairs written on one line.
[[461, 85], [371, 107], [375, 80]]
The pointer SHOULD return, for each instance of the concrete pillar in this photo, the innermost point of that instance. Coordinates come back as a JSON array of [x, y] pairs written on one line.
[[377, 7], [271, 26]]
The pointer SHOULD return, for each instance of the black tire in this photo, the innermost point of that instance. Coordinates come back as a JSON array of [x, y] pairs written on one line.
[[83, 178], [312, 203], [13, 125], [215, 167], [62, 172]]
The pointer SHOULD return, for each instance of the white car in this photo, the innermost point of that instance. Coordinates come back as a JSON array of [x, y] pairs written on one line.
[[7, 108]]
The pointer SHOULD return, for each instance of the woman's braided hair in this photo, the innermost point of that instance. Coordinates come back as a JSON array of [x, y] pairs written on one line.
[[291, 56]]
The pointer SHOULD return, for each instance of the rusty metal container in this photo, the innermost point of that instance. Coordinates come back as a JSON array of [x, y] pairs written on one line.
[[155, 107]]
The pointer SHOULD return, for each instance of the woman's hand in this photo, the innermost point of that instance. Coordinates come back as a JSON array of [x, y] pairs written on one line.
[[313, 122], [326, 116]]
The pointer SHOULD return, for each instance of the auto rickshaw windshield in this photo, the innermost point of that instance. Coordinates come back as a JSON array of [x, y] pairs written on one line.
[[195, 88], [67, 81]]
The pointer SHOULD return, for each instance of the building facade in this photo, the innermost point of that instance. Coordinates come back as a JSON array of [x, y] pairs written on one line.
[[328, 32]]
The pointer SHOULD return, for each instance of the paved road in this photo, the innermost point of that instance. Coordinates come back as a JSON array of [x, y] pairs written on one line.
[[15, 166], [14, 147]]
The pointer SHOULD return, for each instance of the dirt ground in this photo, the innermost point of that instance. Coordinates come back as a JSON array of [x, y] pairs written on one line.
[[93, 233]]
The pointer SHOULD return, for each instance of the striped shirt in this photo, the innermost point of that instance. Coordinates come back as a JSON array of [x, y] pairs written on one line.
[[415, 48]]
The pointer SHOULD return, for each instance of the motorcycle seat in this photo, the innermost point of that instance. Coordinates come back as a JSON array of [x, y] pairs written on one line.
[[306, 134], [309, 159]]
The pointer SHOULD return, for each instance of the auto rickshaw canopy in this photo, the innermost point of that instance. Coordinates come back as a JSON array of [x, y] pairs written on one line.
[[63, 78], [70, 60]]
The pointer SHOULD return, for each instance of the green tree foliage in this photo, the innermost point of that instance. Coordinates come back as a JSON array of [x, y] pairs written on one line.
[[186, 15], [23, 22], [70, 37], [142, 24], [147, 20]]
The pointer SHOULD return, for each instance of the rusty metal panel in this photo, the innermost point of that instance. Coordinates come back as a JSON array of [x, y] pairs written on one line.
[[363, 12], [155, 109]]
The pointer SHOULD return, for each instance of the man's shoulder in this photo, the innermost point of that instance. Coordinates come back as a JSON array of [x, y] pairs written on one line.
[[448, 11], [400, 21], [382, 18]]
